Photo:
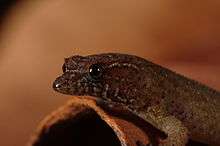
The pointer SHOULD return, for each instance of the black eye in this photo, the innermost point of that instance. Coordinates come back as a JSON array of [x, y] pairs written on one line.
[[95, 71], [64, 68]]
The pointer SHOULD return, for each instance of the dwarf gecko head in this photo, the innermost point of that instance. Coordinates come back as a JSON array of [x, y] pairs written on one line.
[[111, 76]]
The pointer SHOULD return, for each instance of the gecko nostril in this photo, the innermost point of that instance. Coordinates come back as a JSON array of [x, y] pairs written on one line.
[[56, 85]]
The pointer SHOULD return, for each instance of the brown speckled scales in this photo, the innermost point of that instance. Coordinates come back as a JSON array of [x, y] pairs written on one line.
[[181, 107]]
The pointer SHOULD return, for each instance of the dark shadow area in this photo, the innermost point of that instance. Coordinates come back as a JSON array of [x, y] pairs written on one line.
[[5, 6], [86, 129]]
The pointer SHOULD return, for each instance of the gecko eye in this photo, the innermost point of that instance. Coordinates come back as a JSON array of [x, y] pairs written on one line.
[[64, 68], [95, 71]]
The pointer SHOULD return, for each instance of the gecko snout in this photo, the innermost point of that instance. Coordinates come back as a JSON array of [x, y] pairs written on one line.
[[67, 83], [58, 83]]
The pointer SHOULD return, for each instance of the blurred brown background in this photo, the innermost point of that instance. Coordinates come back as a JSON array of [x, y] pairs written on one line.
[[36, 35]]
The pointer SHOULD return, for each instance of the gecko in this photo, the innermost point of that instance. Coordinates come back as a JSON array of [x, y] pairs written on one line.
[[177, 105]]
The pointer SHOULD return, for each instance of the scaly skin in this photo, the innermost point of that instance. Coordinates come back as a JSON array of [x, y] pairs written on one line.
[[179, 106]]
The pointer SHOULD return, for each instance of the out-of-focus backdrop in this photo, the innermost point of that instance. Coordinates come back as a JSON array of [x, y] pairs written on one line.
[[36, 35]]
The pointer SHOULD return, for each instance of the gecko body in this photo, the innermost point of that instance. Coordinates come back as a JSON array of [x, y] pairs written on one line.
[[181, 107]]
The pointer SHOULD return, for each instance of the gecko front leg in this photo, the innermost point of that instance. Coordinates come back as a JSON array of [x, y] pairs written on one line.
[[177, 133], [126, 112]]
